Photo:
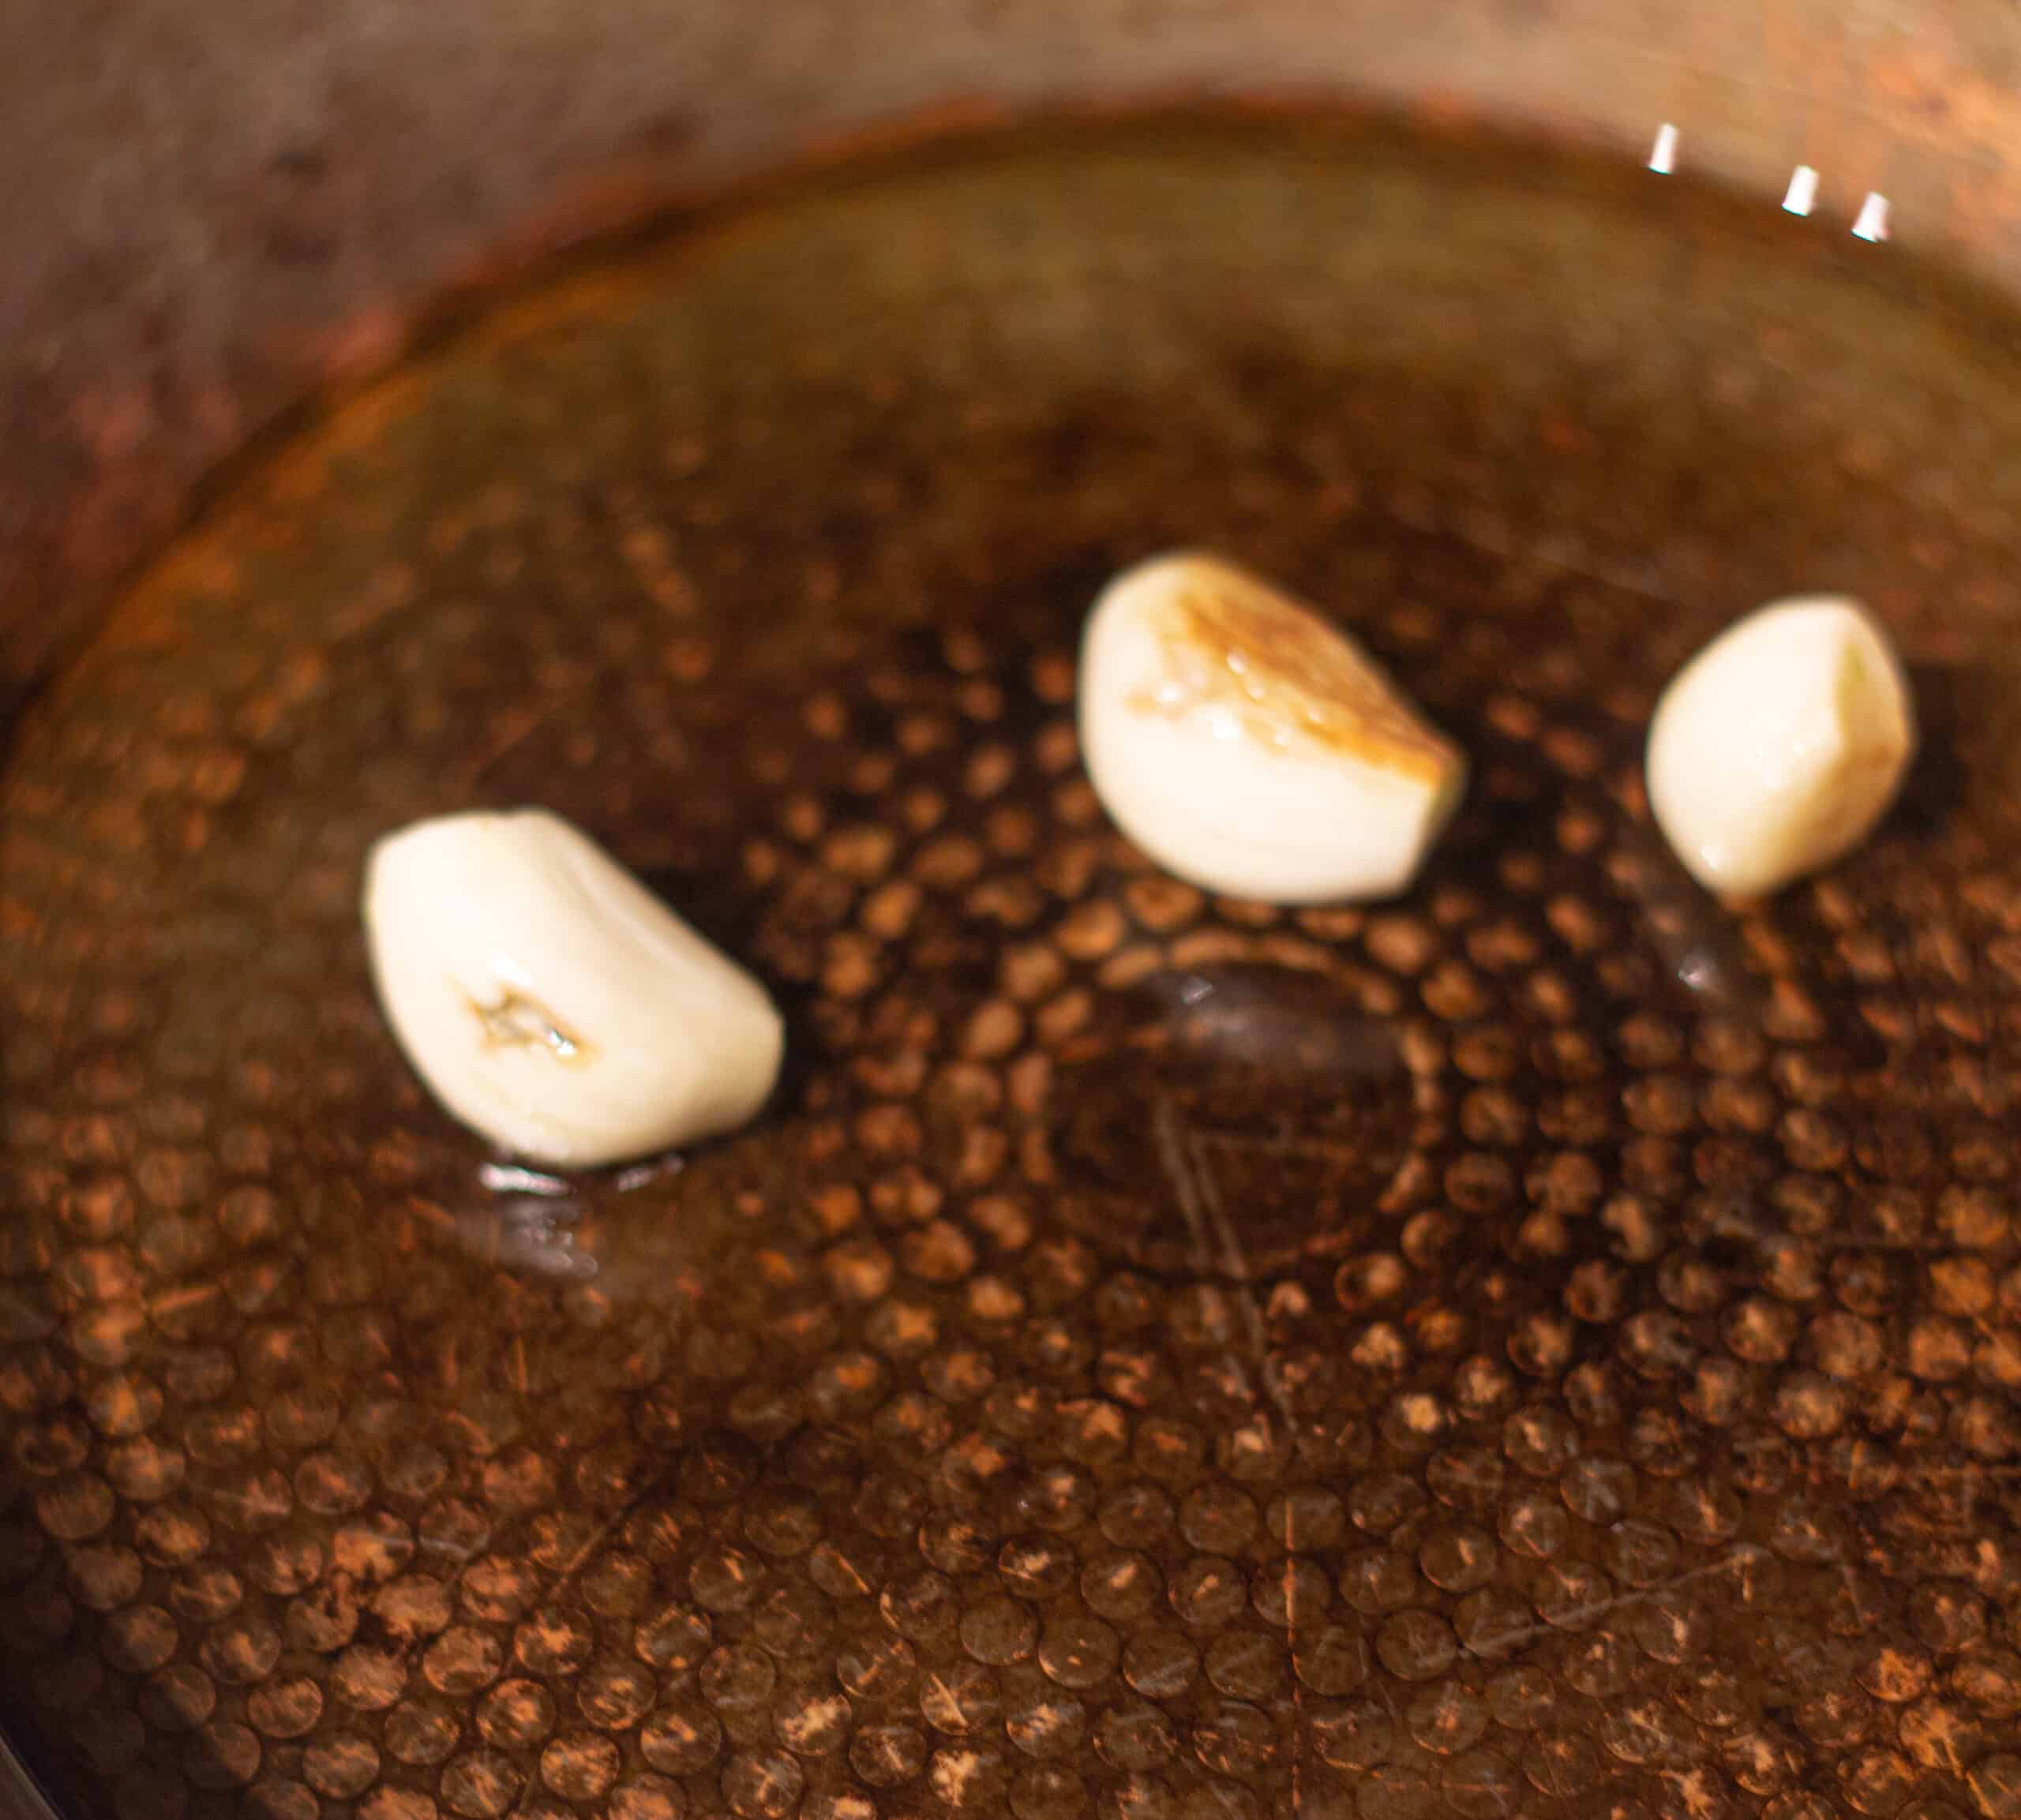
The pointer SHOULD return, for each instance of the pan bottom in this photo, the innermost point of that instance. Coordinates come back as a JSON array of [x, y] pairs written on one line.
[[1548, 1345]]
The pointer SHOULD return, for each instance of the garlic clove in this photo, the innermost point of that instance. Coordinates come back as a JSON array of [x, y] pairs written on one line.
[[1251, 746], [1776, 750], [552, 1003]]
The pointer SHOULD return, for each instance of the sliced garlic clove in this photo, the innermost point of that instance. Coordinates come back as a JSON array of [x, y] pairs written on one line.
[[1251, 747], [552, 1003], [1777, 748]]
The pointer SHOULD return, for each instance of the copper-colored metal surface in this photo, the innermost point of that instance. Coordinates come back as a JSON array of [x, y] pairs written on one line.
[[208, 213], [1547, 1346]]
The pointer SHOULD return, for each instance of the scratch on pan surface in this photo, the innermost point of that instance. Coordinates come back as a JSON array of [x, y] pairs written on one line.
[[1171, 1146]]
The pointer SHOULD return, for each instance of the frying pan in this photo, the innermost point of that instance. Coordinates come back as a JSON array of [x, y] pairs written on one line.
[[1546, 1346]]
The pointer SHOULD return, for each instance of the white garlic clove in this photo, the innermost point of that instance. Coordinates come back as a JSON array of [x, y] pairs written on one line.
[[1251, 747], [552, 1003], [1777, 748]]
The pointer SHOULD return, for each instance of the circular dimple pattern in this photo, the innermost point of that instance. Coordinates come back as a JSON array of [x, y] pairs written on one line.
[[1543, 1347]]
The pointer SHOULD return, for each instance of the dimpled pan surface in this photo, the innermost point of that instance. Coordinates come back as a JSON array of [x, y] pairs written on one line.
[[1546, 1346]]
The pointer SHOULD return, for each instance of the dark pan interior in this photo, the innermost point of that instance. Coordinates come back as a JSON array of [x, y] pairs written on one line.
[[1546, 1346]]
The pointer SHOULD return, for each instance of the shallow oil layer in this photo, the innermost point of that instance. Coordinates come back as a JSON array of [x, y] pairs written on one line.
[[1547, 1346]]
